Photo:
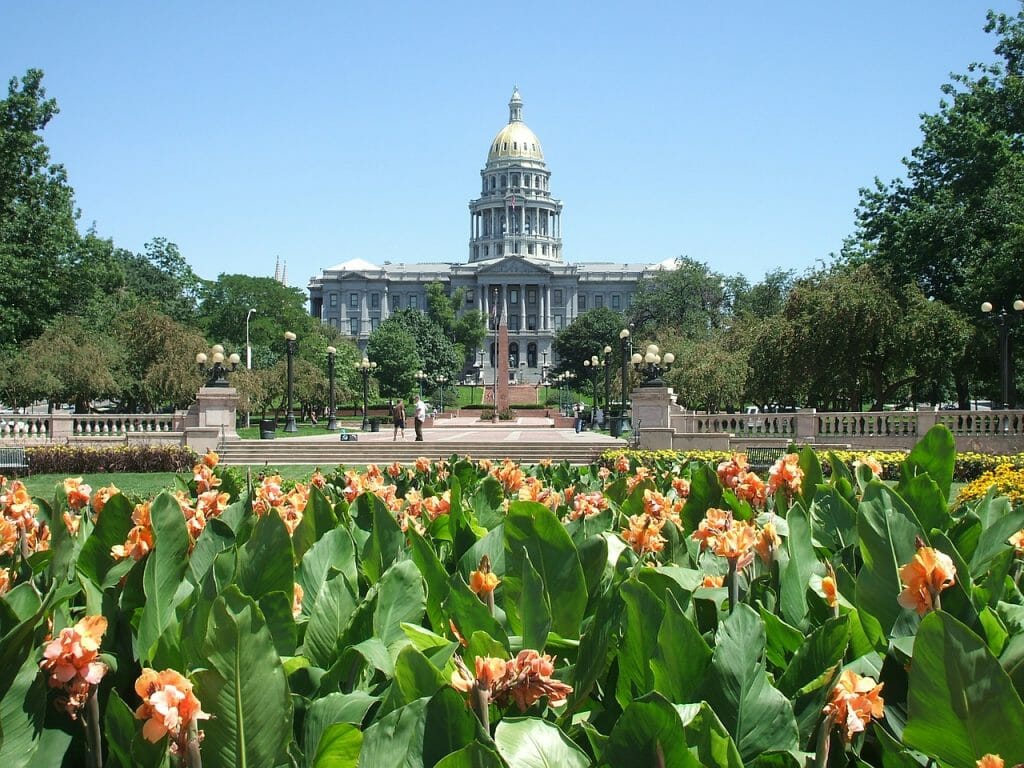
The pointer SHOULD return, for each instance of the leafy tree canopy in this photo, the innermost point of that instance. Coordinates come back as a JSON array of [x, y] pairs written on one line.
[[588, 336]]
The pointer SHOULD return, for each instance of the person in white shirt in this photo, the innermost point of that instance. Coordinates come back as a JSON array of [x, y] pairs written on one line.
[[421, 414]]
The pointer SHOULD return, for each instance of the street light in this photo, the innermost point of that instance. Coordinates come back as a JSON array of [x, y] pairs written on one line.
[[1004, 321], [441, 381], [365, 367], [248, 348], [216, 372], [290, 347], [607, 380], [594, 364], [332, 419], [627, 351], [421, 377], [651, 365]]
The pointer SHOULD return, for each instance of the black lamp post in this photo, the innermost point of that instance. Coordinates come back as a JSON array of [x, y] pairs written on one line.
[[606, 364], [627, 351], [290, 347], [420, 378], [216, 372], [1004, 321], [332, 419], [441, 381], [651, 365], [365, 368]]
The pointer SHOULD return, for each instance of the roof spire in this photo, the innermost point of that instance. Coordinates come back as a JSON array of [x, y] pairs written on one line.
[[515, 106]]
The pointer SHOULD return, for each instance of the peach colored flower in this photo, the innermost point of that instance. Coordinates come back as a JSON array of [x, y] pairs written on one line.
[[509, 475], [681, 486], [604, 473], [483, 582], [534, 489], [211, 459], [639, 475], [435, 506], [71, 662], [737, 542], [422, 465], [8, 537], [990, 761], [871, 463], [853, 702], [924, 578], [715, 523], [204, 478], [168, 705], [786, 475], [712, 581], [485, 464], [524, 680], [318, 480], [587, 504], [269, 494], [71, 521], [1016, 541], [77, 492], [729, 471], [102, 496], [394, 470], [767, 543], [829, 591], [644, 534], [751, 489], [297, 595], [658, 506], [137, 545]]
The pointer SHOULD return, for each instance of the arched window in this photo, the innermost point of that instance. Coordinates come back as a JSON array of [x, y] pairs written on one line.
[[531, 355], [504, 181], [513, 355]]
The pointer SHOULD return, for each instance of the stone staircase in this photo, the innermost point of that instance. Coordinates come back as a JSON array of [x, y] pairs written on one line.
[[330, 454]]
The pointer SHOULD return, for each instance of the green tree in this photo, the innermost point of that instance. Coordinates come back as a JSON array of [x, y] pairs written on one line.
[[690, 299], [465, 327], [394, 348], [161, 277], [37, 214], [586, 337]]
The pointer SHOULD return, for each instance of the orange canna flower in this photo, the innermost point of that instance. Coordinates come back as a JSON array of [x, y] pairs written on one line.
[[136, 546], [924, 578], [640, 475], [168, 706], [102, 496], [712, 581], [786, 475], [8, 537], [737, 542], [751, 489], [853, 702], [622, 464], [211, 459], [644, 534], [768, 543], [681, 486], [204, 478], [318, 480], [77, 492], [422, 464], [586, 504], [483, 582], [829, 591], [524, 680], [871, 463], [729, 471], [1017, 541], [509, 475], [5, 581], [297, 595], [715, 523], [71, 662], [990, 761]]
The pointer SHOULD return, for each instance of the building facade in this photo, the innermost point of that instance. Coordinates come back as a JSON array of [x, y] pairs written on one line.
[[514, 269]]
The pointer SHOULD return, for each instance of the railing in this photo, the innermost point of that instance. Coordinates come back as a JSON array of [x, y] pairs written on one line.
[[121, 425], [746, 425], [65, 426], [24, 427], [871, 424]]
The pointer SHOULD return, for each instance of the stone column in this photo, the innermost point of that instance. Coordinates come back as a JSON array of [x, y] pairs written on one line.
[[806, 424], [547, 306], [211, 419], [522, 307], [384, 313], [364, 313]]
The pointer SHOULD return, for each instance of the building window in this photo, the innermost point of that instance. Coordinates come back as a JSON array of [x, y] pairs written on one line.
[[501, 249], [513, 357], [513, 295], [543, 250], [469, 298], [616, 301], [353, 326], [487, 250], [493, 182], [353, 300], [531, 355], [529, 250], [531, 322], [414, 302], [513, 323], [374, 323], [515, 179], [374, 301], [581, 303], [556, 296], [396, 301], [559, 322], [334, 299], [476, 251], [504, 181], [598, 301], [629, 299], [531, 295]]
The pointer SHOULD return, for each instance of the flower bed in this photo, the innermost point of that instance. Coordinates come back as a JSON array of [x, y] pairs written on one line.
[[477, 613]]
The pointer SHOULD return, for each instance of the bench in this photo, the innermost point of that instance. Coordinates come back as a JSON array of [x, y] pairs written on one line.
[[13, 460], [762, 457]]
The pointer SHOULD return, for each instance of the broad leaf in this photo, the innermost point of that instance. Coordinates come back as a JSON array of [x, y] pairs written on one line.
[[934, 454], [529, 742], [649, 732], [328, 620], [339, 747], [164, 571]]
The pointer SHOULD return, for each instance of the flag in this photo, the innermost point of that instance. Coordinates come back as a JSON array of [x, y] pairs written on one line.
[[513, 202]]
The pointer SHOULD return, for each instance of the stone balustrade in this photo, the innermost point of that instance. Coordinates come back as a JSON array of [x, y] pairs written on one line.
[[93, 427]]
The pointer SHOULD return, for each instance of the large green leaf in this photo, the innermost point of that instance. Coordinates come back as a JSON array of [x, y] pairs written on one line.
[[400, 598], [813, 476], [111, 528], [534, 608], [474, 755], [433, 573], [935, 454], [707, 737], [705, 491], [469, 615], [681, 656], [801, 565], [925, 497], [757, 715], [833, 520], [22, 711], [415, 676], [961, 703], [529, 742], [644, 612], [244, 687], [165, 571], [265, 562], [339, 747], [419, 734], [817, 658], [386, 542], [888, 529], [327, 710], [335, 550], [595, 645], [126, 747], [534, 527], [649, 732], [328, 620]]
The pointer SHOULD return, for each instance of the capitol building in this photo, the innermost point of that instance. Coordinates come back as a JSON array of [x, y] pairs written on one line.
[[515, 265]]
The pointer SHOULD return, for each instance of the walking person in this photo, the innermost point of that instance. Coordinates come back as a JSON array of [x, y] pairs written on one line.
[[578, 412], [421, 414], [398, 419]]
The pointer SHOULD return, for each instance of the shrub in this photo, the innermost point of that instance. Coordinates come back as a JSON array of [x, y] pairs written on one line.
[[1007, 479], [73, 459]]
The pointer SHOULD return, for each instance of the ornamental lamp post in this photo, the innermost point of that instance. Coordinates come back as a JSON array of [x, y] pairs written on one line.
[[441, 381], [248, 347], [216, 372], [290, 348], [332, 418], [605, 363], [1004, 321], [365, 368], [627, 350], [651, 365], [421, 377]]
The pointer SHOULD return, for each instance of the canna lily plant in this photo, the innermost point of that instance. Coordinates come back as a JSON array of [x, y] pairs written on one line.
[[477, 613]]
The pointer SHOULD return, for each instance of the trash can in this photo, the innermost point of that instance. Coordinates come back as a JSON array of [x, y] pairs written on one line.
[[616, 426], [268, 429], [375, 425]]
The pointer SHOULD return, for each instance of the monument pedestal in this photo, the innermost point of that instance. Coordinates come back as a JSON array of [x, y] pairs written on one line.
[[211, 419]]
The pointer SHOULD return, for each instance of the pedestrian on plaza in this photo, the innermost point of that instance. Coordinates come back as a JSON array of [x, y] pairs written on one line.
[[578, 413], [398, 419], [421, 414]]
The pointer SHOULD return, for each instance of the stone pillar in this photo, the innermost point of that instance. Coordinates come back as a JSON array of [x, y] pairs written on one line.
[[522, 307], [384, 314], [651, 407], [211, 419], [806, 424], [501, 360], [927, 417]]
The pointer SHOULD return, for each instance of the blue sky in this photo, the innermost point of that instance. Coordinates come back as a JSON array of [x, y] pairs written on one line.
[[737, 133]]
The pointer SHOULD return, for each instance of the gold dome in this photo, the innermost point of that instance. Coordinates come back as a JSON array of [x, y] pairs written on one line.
[[515, 140]]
